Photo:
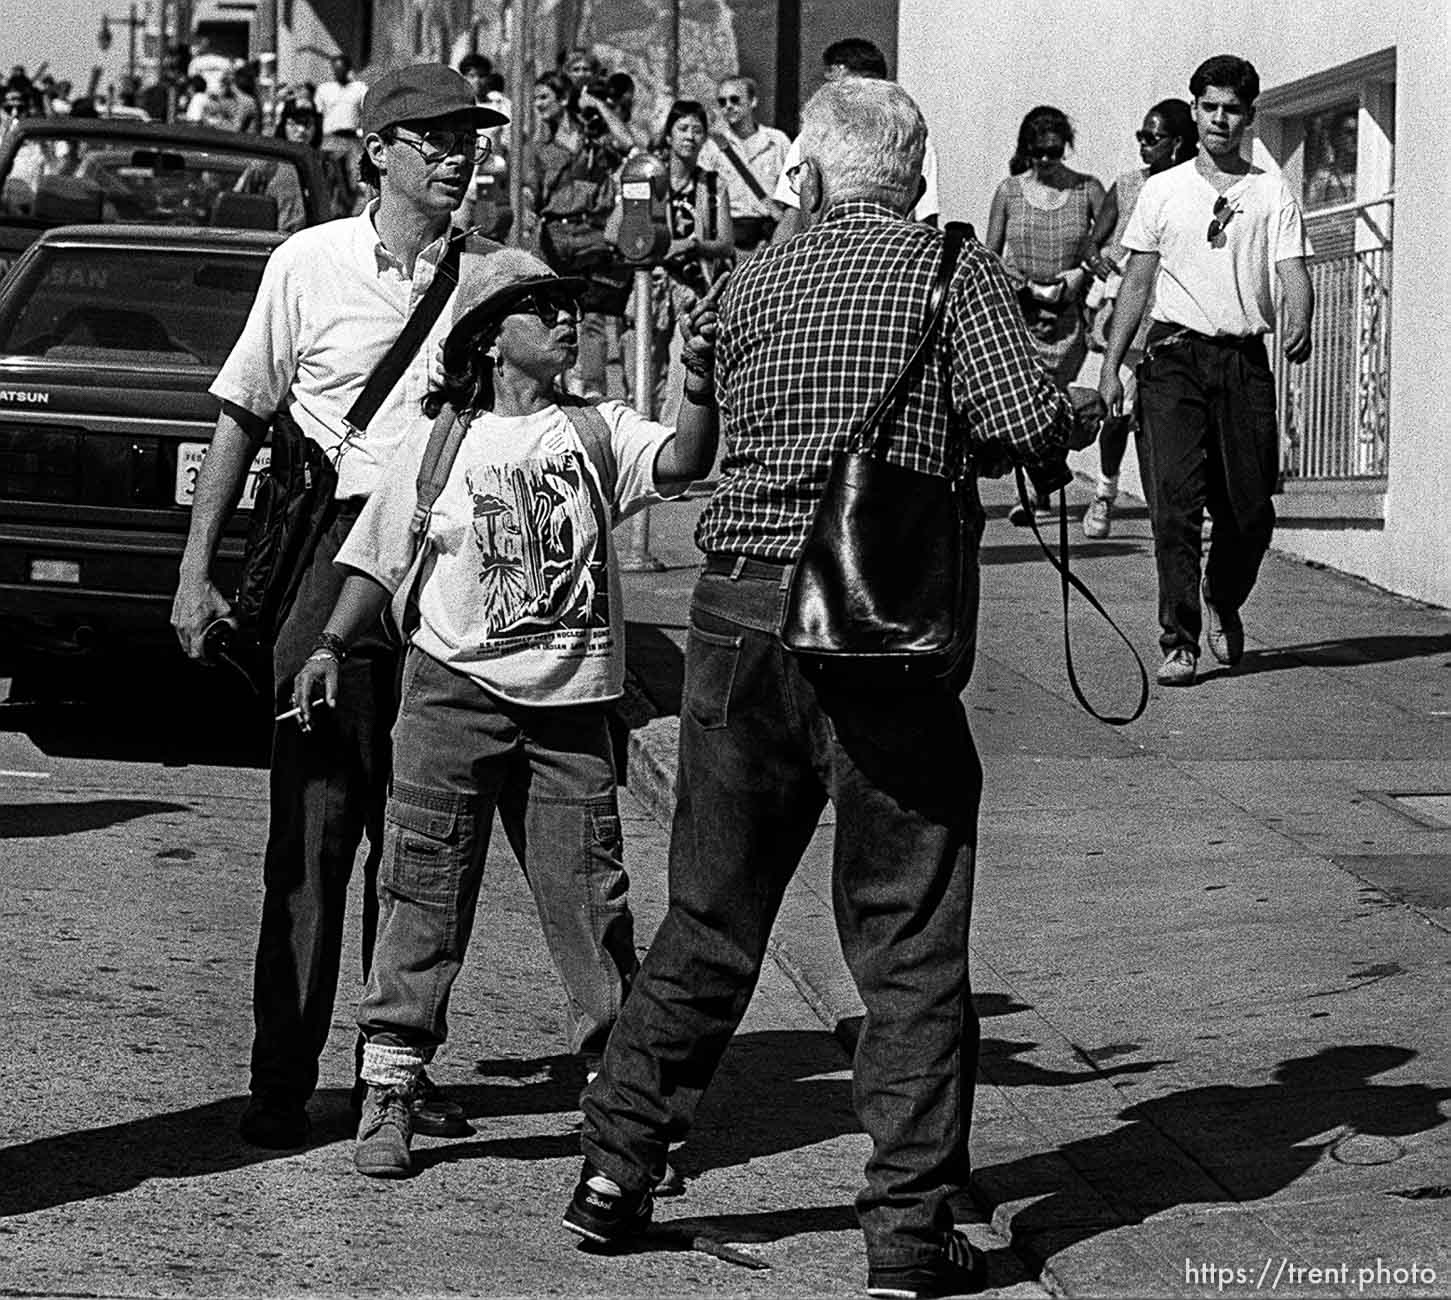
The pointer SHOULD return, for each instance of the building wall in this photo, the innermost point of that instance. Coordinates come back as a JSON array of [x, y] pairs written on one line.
[[1104, 66]]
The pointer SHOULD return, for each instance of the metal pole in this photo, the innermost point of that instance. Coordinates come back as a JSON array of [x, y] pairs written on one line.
[[672, 49], [131, 49], [265, 44], [632, 543], [521, 93]]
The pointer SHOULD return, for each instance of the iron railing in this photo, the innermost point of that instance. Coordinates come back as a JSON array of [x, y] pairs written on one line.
[[1335, 409]]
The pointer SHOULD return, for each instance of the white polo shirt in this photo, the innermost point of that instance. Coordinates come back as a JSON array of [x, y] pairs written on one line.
[[927, 205], [1225, 286], [331, 302], [764, 152]]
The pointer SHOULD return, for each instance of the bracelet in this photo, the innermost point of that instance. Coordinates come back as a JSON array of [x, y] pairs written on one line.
[[329, 645]]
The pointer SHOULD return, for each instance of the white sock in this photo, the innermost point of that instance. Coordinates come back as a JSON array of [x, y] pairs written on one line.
[[1107, 487]]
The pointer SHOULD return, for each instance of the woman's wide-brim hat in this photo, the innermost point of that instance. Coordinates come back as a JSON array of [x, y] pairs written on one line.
[[490, 285]]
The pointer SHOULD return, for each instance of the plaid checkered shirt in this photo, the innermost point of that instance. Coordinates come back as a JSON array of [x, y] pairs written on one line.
[[814, 330]]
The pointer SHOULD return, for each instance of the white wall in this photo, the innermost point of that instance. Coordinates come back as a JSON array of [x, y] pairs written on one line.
[[977, 70]]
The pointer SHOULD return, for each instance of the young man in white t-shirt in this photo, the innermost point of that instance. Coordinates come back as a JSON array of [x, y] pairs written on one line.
[[507, 591], [1211, 238]]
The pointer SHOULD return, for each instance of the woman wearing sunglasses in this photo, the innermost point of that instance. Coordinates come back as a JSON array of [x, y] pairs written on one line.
[[1041, 224], [507, 593], [1167, 138]]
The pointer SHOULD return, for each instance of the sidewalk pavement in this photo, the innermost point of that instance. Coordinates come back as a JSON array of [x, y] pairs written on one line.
[[1211, 949]]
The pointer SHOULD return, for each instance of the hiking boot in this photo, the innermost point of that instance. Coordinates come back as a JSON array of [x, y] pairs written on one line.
[[960, 1269], [1178, 667], [435, 1113], [1223, 630], [277, 1123], [384, 1133], [1098, 518], [600, 1212]]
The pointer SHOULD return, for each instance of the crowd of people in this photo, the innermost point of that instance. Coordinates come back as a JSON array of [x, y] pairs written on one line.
[[454, 633]]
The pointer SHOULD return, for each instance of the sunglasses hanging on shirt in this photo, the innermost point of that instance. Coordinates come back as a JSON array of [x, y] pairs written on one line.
[[1222, 214]]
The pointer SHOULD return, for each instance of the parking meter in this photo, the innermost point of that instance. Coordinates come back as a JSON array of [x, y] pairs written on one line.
[[644, 188]]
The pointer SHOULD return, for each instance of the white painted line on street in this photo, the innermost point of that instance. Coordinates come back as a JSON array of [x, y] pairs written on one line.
[[33, 776]]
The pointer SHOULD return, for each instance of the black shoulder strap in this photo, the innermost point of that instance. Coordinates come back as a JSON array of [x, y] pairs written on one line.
[[405, 347], [872, 437], [724, 143]]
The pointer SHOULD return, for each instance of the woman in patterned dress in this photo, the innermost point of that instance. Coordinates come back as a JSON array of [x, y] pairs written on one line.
[[1041, 223]]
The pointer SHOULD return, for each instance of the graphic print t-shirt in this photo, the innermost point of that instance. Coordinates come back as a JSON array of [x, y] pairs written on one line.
[[521, 587]]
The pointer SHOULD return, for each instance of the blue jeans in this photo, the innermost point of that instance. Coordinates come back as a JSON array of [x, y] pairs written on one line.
[[761, 751], [460, 753]]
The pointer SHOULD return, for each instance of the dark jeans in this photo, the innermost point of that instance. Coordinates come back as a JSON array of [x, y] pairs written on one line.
[[328, 788], [460, 754], [761, 751], [1207, 439]]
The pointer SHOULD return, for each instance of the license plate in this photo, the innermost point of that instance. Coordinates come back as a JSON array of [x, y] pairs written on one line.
[[189, 457]]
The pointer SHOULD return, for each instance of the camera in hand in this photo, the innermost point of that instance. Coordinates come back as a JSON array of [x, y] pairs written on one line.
[[590, 117]]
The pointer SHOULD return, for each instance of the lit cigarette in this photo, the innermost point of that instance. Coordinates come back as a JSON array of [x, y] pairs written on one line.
[[296, 711]]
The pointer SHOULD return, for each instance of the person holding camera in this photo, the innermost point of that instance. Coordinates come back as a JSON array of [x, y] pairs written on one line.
[[569, 190], [698, 215]]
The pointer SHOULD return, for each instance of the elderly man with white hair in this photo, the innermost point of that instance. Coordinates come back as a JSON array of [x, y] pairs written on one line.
[[812, 332]]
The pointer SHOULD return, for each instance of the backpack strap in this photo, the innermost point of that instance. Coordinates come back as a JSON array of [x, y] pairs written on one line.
[[594, 433], [433, 470]]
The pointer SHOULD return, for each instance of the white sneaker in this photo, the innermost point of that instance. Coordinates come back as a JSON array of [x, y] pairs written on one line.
[[1098, 518]]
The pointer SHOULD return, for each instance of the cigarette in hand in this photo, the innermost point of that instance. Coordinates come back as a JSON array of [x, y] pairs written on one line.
[[296, 711]]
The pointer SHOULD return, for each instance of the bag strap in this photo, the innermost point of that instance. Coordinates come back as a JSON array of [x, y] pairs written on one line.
[[958, 233], [1060, 562], [594, 433], [433, 470], [724, 143], [405, 347]]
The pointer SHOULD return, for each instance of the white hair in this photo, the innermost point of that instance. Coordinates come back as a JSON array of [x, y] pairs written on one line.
[[868, 137]]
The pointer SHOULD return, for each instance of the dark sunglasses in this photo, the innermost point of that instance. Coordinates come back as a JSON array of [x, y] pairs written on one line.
[[1149, 139], [723, 100], [1047, 152], [547, 304], [1222, 214]]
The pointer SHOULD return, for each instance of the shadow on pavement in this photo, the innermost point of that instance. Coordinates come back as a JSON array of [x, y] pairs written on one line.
[[94, 1162], [1077, 551], [1221, 1143], [42, 820], [1346, 653]]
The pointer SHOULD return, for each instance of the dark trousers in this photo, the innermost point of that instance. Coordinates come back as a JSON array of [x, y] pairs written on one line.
[[328, 788], [1207, 439], [761, 751]]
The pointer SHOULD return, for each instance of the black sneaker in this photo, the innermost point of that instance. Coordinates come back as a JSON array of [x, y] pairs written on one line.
[[607, 1218], [277, 1123], [435, 1113], [961, 1269]]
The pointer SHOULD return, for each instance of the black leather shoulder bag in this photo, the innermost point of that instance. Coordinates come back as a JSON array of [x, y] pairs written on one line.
[[884, 594]]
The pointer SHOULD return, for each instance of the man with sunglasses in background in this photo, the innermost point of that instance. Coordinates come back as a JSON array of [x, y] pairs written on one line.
[[750, 157], [853, 57], [1205, 237], [332, 302]]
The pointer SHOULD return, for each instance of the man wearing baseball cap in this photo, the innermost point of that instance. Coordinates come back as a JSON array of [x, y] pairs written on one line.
[[332, 301]]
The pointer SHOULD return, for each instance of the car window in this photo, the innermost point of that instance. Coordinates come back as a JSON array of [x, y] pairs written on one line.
[[113, 180], [131, 306]]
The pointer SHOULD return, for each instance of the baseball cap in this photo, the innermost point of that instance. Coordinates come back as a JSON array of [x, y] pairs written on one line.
[[420, 92], [488, 283]]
